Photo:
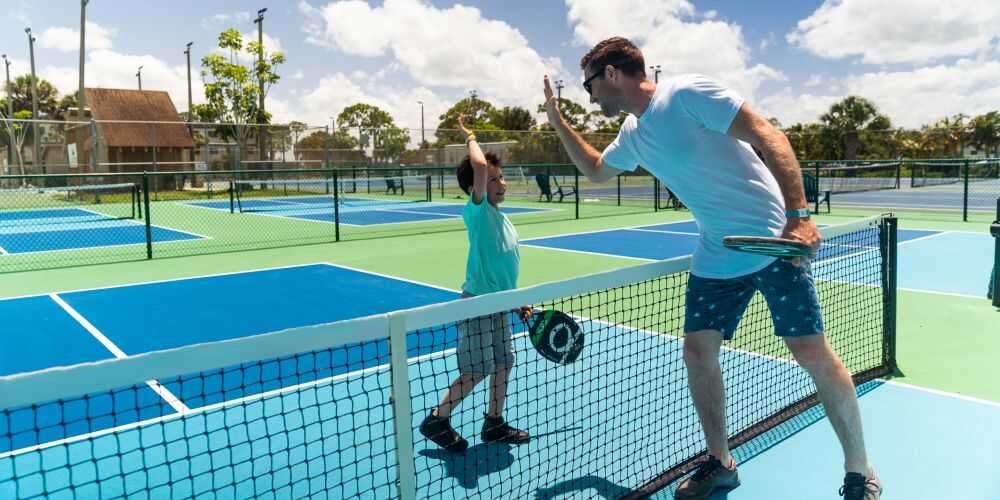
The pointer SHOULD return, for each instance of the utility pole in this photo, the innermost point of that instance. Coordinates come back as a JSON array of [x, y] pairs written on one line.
[[34, 100], [82, 98], [656, 73], [260, 61], [10, 108], [187, 52], [422, 139], [138, 75], [559, 87], [474, 95]]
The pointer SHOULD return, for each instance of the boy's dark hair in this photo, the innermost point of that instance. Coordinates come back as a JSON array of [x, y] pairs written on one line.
[[464, 170], [618, 52]]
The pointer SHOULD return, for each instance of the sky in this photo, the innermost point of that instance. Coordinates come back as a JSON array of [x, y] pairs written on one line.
[[917, 60]]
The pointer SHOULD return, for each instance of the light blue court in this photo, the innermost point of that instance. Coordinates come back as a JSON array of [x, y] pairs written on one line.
[[969, 255], [321, 421], [354, 211], [26, 231], [982, 196]]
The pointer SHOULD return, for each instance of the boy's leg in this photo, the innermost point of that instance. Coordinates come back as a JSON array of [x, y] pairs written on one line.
[[458, 391], [495, 428], [498, 390]]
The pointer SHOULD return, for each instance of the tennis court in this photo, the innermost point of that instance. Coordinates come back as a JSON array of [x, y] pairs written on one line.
[[76, 217], [314, 416]]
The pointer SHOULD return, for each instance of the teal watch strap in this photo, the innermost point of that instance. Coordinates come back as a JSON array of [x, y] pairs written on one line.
[[799, 213]]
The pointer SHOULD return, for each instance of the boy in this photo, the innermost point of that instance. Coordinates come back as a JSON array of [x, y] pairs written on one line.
[[484, 343]]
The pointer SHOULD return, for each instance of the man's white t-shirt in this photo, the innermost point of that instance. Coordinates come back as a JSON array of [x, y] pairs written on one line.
[[681, 139]]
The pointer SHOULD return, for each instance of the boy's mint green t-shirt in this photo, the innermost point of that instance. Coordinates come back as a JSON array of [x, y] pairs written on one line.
[[493, 255]]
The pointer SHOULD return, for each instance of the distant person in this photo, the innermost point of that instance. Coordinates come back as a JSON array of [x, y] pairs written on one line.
[[697, 137], [485, 347]]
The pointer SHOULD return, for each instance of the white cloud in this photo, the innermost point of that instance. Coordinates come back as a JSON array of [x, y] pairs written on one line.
[[109, 69], [298, 75], [670, 34], [899, 31], [768, 41], [814, 80], [455, 48], [968, 86], [218, 20], [68, 39]]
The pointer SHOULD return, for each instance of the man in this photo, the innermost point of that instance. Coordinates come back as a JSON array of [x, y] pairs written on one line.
[[698, 138]]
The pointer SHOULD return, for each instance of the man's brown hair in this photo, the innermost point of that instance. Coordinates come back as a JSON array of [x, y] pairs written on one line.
[[618, 52]]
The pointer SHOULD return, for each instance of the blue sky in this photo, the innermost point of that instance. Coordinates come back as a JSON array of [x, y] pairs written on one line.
[[918, 60]]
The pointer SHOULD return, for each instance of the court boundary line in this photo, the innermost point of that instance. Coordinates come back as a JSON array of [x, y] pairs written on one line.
[[585, 252], [117, 352], [594, 231], [119, 245]]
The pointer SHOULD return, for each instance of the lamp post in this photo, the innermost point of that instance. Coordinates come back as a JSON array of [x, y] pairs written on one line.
[[10, 107], [260, 55], [656, 73], [138, 75], [422, 139], [559, 87], [81, 97], [187, 52], [34, 100]]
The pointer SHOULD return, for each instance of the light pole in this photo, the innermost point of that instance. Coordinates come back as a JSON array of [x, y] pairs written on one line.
[[656, 73], [138, 75], [34, 99], [10, 107], [473, 94], [422, 139], [187, 52], [260, 61], [559, 87], [81, 98]]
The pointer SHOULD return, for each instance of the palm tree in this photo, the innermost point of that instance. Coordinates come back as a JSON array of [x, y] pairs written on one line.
[[986, 132], [851, 115]]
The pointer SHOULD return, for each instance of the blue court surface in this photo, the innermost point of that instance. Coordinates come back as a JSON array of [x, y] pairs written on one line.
[[354, 211], [920, 252], [306, 409], [26, 231]]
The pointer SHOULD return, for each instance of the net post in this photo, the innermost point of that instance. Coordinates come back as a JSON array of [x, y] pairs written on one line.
[[406, 476], [965, 191], [656, 194], [576, 191], [888, 243], [336, 207], [995, 231], [442, 182], [149, 228]]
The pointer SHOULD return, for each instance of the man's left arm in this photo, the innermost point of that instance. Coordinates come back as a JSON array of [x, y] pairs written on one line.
[[750, 127]]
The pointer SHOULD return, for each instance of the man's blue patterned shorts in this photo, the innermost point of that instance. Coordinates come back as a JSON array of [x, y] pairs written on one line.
[[790, 292]]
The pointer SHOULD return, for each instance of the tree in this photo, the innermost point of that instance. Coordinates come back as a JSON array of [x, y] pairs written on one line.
[[986, 133], [233, 91], [20, 94], [575, 115], [16, 132], [477, 113], [376, 125], [512, 118], [849, 116]]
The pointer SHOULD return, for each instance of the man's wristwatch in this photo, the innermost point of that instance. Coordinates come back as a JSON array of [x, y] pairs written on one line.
[[798, 213]]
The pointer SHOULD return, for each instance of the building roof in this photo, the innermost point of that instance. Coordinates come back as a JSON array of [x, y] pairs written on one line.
[[137, 105]]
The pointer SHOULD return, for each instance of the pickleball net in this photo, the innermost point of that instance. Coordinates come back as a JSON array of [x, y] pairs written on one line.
[[333, 410]]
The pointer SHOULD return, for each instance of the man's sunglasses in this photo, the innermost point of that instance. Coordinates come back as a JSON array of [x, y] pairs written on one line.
[[586, 83]]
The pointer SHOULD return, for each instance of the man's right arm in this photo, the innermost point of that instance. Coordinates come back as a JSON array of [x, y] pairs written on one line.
[[588, 159]]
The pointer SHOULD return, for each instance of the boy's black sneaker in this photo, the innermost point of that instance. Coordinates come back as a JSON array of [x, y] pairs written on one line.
[[496, 429], [439, 430]]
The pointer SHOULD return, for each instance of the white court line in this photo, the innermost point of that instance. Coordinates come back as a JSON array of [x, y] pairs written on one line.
[[658, 231], [947, 294], [4, 251], [163, 392], [595, 231], [584, 252]]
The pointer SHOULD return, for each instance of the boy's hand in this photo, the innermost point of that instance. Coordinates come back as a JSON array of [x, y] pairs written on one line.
[[461, 124], [525, 313]]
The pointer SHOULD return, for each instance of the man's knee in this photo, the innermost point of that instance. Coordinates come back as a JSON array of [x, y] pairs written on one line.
[[701, 348], [812, 351]]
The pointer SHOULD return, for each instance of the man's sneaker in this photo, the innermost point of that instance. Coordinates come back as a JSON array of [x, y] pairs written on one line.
[[495, 429], [858, 487], [708, 477], [439, 430]]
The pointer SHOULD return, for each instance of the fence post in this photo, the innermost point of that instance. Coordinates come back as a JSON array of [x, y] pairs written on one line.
[[965, 191], [94, 145], [619, 179], [336, 206], [656, 194], [576, 190], [149, 227]]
